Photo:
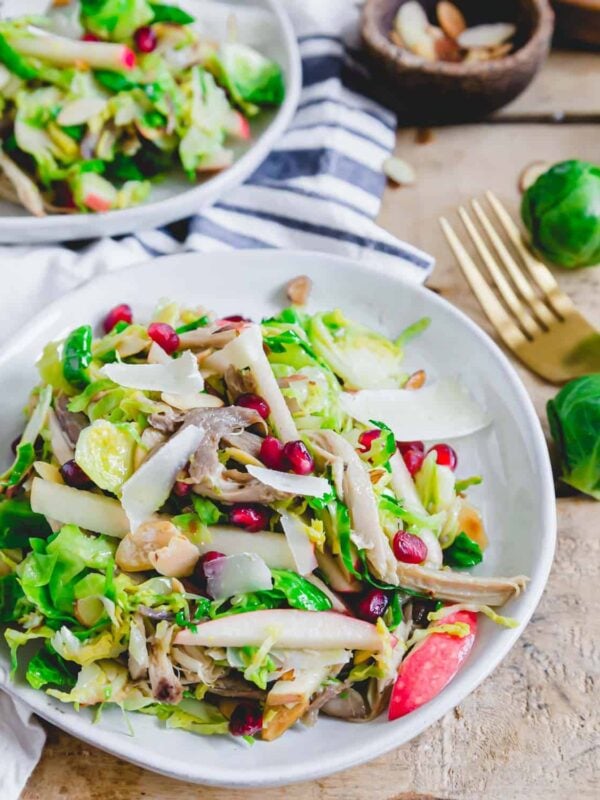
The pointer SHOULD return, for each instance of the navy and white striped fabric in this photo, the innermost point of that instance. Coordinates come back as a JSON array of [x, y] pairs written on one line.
[[321, 186], [319, 189]]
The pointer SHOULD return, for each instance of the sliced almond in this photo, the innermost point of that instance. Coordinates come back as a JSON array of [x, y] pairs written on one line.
[[501, 50], [298, 290], [478, 54], [489, 35], [394, 36], [451, 19], [416, 380], [411, 23], [399, 171], [425, 48], [531, 173], [446, 49], [424, 136]]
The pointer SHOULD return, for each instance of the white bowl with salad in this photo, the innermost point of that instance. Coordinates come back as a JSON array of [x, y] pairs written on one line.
[[251, 524], [119, 117]]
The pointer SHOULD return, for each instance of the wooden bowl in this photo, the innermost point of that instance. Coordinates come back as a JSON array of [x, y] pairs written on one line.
[[432, 92]]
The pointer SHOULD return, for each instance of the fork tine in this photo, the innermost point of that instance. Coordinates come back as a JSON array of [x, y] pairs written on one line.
[[510, 298], [525, 290], [540, 273], [492, 307]]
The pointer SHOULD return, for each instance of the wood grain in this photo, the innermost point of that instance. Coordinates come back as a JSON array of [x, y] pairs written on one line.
[[531, 730]]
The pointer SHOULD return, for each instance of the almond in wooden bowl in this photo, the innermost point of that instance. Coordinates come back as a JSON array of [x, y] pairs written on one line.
[[434, 71]]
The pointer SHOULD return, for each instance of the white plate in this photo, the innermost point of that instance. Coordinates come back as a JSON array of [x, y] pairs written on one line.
[[175, 198], [516, 497]]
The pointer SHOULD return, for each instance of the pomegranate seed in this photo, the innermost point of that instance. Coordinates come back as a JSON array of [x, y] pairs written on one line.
[[367, 438], [236, 318], [418, 447], [182, 489], [409, 548], [255, 402], [372, 605], [74, 476], [120, 313], [297, 456], [63, 196], [164, 336], [251, 518], [145, 39], [246, 720], [446, 455], [271, 453], [88, 36], [413, 460]]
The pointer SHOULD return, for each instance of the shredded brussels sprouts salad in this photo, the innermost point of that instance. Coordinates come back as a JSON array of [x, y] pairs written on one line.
[[228, 524], [100, 99]]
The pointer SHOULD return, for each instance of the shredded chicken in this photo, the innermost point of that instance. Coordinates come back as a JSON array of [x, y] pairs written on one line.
[[217, 423], [359, 497], [210, 336], [239, 382], [166, 687], [351, 706], [71, 423], [326, 459], [27, 193], [196, 666], [233, 685], [233, 486], [322, 698], [459, 587], [166, 421], [245, 441]]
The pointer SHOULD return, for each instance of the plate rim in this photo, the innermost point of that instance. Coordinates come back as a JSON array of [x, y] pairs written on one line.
[[418, 721], [68, 227]]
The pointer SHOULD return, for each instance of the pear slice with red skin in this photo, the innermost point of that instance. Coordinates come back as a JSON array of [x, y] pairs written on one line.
[[431, 665]]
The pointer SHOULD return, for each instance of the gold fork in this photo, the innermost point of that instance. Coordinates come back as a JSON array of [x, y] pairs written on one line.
[[539, 324]]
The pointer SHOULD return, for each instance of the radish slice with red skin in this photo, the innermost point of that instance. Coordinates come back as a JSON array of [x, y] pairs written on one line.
[[431, 665]]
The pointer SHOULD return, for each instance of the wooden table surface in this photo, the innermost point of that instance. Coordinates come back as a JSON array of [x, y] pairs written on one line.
[[531, 730]]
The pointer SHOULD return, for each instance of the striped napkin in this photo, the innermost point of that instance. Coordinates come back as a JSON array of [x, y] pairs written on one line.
[[320, 189]]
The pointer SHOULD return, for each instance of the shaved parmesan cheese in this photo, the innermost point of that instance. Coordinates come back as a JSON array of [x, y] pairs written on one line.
[[246, 350], [302, 548], [302, 485], [184, 402], [273, 548], [178, 376], [70, 506], [156, 355], [237, 574], [149, 487], [444, 410]]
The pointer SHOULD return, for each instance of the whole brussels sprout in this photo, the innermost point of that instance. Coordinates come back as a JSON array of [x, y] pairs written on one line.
[[574, 417], [561, 211]]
